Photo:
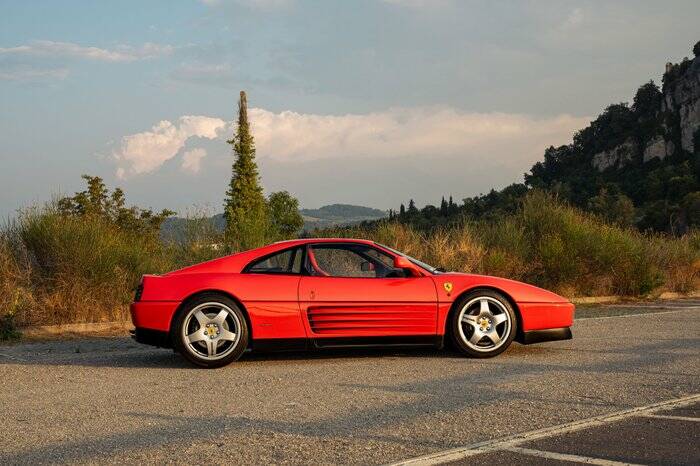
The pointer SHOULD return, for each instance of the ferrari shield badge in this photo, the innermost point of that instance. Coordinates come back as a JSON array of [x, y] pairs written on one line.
[[448, 287]]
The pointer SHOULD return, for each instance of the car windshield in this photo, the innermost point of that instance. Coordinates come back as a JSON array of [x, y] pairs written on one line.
[[420, 264]]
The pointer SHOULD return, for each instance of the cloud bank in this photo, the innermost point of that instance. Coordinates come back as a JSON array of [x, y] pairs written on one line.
[[191, 160], [122, 53], [147, 151], [511, 140]]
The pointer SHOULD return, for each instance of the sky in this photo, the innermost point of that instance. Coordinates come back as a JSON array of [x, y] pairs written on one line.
[[368, 102]]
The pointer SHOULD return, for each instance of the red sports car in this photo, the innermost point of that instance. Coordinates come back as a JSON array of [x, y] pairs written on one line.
[[329, 293]]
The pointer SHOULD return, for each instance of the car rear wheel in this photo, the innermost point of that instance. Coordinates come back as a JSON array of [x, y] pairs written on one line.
[[483, 324], [210, 331]]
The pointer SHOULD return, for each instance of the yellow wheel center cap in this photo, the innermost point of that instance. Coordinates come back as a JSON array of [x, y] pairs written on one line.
[[212, 330], [484, 323]]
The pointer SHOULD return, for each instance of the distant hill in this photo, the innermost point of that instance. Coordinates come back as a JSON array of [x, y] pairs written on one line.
[[173, 228], [338, 214]]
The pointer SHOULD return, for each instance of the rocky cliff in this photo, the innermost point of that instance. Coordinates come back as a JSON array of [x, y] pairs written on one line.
[[636, 164], [677, 122]]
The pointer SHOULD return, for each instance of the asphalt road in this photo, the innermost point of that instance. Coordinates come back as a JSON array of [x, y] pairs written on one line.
[[112, 400]]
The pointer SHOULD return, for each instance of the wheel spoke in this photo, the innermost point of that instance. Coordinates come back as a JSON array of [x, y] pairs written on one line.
[[500, 318], [197, 336], [484, 307], [201, 318], [476, 336], [494, 337], [469, 319], [220, 317], [227, 335], [211, 347]]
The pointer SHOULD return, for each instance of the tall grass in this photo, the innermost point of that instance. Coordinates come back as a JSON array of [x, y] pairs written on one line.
[[59, 269], [553, 245]]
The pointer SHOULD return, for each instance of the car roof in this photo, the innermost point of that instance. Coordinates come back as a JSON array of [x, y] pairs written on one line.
[[324, 240]]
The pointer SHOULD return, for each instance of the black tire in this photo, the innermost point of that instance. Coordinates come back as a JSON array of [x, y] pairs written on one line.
[[505, 330], [195, 352]]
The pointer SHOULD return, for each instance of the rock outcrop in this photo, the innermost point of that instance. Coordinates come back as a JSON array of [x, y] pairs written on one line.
[[658, 148], [677, 122], [616, 157], [682, 98]]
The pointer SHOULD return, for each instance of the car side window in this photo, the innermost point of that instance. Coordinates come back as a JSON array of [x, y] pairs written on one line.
[[349, 260], [283, 262]]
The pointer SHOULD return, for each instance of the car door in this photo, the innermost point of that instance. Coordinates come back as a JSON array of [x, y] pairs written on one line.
[[269, 288], [350, 290]]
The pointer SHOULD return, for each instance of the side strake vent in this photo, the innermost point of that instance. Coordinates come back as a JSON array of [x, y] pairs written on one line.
[[397, 319]]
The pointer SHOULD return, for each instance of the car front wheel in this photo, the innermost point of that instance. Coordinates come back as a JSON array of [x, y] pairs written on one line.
[[483, 324], [210, 331]]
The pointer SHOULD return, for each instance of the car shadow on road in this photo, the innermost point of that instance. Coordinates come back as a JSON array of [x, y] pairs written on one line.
[[122, 353]]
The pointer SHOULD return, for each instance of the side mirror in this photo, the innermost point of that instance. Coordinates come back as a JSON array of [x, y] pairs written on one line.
[[402, 263]]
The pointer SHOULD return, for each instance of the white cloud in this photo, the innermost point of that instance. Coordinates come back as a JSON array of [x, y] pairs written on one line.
[[512, 141], [145, 152], [422, 131], [191, 160], [27, 73], [122, 53]]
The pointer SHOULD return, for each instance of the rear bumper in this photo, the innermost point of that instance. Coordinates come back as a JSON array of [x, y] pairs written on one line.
[[152, 337], [539, 336], [153, 315]]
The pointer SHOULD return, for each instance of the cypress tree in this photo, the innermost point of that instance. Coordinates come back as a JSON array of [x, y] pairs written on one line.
[[412, 209], [245, 208]]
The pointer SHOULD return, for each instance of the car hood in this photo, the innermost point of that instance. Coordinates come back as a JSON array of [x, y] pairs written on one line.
[[519, 291]]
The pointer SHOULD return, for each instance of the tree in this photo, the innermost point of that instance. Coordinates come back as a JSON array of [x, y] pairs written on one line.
[[402, 210], [96, 201], [412, 209], [615, 208], [443, 206], [647, 100], [696, 49], [285, 218], [245, 208]]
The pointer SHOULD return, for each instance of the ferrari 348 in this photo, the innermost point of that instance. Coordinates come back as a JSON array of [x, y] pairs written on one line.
[[330, 293]]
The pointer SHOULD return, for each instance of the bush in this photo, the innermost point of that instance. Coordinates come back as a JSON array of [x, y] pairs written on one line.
[[58, 268]]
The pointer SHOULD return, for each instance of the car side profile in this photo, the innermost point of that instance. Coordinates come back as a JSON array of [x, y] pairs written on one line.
[[330, 293]]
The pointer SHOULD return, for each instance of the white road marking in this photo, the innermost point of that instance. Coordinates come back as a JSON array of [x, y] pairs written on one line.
[[566, 457], [517, 439], [640, 314], [3, 355], [676, 418]]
